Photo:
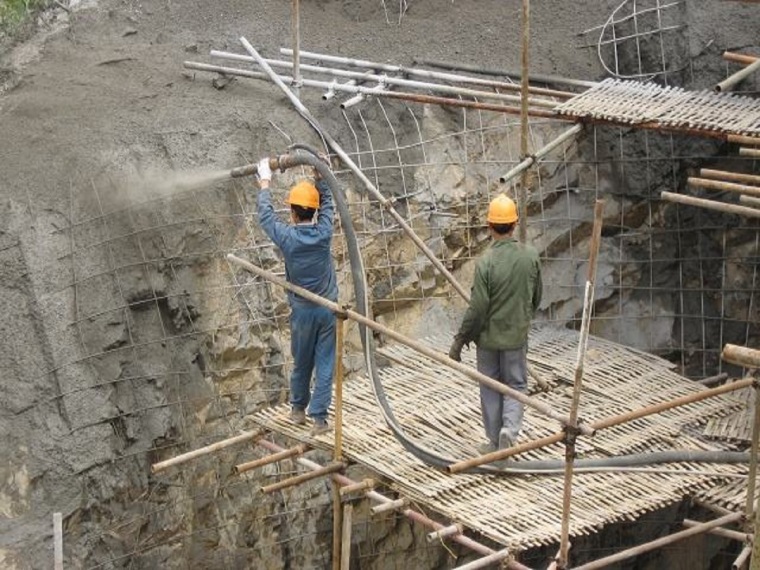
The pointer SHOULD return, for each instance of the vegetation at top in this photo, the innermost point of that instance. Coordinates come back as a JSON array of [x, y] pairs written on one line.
[[14, 12]]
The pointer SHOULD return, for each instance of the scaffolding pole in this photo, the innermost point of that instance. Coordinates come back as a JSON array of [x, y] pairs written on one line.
[[730, 176], [746, 211], [741, 356], [426, 73], [722, 532], [296, 48], [730, 82], [338, 527], [387, 80], [179, 459], [725, 186], [660, 542], [377, 91], [522, 198], [530, 160], [571, 431]]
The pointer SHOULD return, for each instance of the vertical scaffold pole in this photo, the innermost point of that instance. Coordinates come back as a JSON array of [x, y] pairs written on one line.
[[571, 430], [522, 199], [296, 48], [338, 547]]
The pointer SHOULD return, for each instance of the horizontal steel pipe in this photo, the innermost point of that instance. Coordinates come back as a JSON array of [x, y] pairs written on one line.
[[730, 176], [742, 58], [402, 95], [741, 355], [750, 201], [741, 560], [720, 531], [391, 506], [749, 152], [444, 532], [486, 561], [538, 77], [546, 149], [723, 186], [418, 347], [365, 485], [304, 477], [190, 455], [743, 139], [274, 458], [711, 205], [659, 543], [386, 80], [416, 72], [730, 82]]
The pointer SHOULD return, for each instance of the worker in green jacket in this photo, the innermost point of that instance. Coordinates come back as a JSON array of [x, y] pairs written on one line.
[[506, 292]]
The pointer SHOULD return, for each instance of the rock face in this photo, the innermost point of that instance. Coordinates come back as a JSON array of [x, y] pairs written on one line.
[[128, 338]]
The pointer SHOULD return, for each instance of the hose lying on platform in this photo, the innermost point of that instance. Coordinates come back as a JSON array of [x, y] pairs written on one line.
[[310, 157]]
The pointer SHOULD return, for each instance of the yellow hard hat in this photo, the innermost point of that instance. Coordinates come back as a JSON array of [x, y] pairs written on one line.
[[502, 210], [304, 194]]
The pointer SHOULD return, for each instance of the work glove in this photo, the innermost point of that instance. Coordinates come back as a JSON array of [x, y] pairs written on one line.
[[455, 352], [263, 170]]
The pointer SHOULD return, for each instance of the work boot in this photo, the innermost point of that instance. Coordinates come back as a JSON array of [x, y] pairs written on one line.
[[485, 448], [320, 427], [505, 440], [297, 416]]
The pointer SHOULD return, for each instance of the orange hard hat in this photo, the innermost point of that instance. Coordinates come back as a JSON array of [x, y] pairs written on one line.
[[502, 210], [304, 194]]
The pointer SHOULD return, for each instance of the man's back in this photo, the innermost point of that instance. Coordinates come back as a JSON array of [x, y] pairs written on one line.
[[306, 247]]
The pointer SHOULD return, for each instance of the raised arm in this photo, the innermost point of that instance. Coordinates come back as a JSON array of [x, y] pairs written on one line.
[[272, 226], [326, 216]]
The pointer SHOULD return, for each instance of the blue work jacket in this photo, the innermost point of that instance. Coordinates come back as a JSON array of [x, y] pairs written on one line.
[[306, 247]]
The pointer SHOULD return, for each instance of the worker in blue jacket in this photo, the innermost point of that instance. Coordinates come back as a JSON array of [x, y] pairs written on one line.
[[306, 246]]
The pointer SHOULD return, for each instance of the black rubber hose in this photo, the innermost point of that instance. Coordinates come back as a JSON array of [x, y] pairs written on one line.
[[308, 156]]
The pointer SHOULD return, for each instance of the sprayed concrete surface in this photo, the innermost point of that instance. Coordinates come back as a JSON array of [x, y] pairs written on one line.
[[98, 98]]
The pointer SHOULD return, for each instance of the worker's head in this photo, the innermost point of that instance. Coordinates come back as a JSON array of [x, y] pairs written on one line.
[[502, 215], [304, 201]]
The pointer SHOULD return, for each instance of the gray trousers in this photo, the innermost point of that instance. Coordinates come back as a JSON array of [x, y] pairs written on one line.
[[502, 415]]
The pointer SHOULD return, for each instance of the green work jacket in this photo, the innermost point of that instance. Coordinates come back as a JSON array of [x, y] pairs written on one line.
[[506, 292]]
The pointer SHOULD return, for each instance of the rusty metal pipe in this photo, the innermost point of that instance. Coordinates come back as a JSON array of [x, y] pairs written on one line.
[[742, 58], [741, 355], [304, 477], [723, 186], [730, 176], [711, 205], [179, 459], [274, 458]]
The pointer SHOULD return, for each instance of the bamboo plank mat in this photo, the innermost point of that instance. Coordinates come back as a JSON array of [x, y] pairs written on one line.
[[632, 102], [736, 427], [440, 410]]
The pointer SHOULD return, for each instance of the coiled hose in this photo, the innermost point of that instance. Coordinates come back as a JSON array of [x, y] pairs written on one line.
[[305, 155]]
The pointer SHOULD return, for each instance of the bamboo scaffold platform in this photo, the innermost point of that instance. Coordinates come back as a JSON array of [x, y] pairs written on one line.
[[440, 409], [669, 108]]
